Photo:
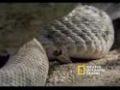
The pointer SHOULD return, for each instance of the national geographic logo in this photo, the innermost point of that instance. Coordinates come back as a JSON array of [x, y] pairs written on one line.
[[83, 69]]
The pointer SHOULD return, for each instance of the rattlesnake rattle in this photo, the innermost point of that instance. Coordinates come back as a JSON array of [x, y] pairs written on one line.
[[89, 34], [86, 32]]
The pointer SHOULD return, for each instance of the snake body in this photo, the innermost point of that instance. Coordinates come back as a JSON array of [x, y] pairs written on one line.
[[29, 67], [19, 22], [85, 32]]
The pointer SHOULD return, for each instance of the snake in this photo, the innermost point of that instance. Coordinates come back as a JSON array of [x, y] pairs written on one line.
[[85, 32]]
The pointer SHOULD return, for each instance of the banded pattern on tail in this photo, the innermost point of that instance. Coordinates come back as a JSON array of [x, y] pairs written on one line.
[[86, 32]]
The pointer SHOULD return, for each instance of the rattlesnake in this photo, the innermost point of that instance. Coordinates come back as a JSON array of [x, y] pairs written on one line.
[[19, 22], [19, 72], [86, 32]]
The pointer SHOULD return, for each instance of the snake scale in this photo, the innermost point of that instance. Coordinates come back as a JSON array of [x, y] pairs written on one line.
[[17, 71], [85, 32]]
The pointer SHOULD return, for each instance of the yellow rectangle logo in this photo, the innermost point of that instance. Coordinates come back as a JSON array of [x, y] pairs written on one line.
[[81, 69]]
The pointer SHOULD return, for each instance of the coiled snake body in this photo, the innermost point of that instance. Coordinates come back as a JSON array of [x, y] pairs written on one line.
[[85, 32], [29, 67]]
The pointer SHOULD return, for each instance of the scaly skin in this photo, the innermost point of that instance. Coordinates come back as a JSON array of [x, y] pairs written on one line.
[[20, 21], [86, 32], [29, 67]]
